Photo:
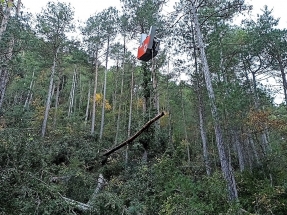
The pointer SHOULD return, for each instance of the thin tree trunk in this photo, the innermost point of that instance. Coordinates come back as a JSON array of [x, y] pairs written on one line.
[[155, 91], [203, 138], [81, 92], [29, 91], [239, 150], [72, 93], [253, 148], [170, 140], [5, 18], [88, 104], [255, 91], [49, 97], [200, 109], [130, 113], [283, 78], [4, 76], [105, 89], [3, 83], [184, 125], [56, 104], [225, 164], [95, 94], [115, 92], [120, 107]]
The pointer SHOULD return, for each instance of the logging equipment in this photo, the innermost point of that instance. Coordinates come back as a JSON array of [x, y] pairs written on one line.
[[149, 45]]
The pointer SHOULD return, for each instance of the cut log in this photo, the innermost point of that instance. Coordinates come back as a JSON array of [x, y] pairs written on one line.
[[130, 139], [82, 206]]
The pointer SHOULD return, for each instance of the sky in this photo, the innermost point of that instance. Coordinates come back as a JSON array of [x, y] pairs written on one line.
[[86, 8]]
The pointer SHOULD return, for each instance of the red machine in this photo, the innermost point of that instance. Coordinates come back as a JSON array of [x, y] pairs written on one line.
[[149, 46]]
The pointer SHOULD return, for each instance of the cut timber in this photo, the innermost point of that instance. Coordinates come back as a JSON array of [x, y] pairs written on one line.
[[131, 138], [101, 183], [82, 206]]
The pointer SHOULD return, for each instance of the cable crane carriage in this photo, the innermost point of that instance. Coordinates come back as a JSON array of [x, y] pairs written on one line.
[[149, 45]]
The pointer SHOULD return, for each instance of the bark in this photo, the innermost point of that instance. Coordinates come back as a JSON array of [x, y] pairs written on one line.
[[72, 93], [120, 106], [239, 150], [115, 92], [130, 113], [82, 206], [200, 109], [4, 76], [225, 164], [80, 92], [101, 183], [95, 93], [184, 125], [49, 96], [253, 148], [56, 104], [170, 141], [5, 19], [146, 108], [283, 78], [154, 86], [88, 104], [255, 91], [26, 105], [3, 83], [203, 138], [105, 89]]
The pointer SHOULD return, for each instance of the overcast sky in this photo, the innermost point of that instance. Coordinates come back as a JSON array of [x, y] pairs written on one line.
[[86, 8]]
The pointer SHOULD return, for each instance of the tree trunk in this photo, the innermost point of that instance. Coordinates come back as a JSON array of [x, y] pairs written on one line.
[[3, 83], [49, 97], [155, 91], [130, 113], [225, 164], [203, 138], [95, 94], [105, 89], [200, 109], [5, 18], [29, 92], [88, 104], [253, 148], [4, 76], [120, 106], [184, 125], [283, 78], [170, 140], [101, 183], [56, 104], [239, 150], [72, 93]]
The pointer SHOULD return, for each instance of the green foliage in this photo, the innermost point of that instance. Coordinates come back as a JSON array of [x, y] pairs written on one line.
[[36, 173]]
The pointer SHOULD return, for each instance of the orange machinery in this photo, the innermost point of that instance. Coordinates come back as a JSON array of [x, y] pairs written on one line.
[[149, 46]]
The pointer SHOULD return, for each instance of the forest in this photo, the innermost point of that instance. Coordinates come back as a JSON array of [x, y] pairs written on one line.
[[87, 128]]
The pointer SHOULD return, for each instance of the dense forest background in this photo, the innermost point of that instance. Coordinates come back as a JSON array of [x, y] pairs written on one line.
[[220, 147]]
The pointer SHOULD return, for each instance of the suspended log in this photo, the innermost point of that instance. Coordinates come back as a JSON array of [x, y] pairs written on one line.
[[132, 138]]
